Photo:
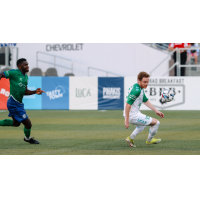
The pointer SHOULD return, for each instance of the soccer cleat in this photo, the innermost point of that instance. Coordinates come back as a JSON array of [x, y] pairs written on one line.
[[153, 141], [32, 141], [130, 142]]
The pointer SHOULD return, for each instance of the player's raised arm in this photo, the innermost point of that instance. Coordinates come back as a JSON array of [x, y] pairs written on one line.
[[149, 105]]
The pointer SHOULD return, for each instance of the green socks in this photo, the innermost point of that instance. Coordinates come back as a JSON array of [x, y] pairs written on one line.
[[9, 122], [27, 132], [6, 122]]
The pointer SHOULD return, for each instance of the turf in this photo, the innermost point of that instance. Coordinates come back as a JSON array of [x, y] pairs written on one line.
[[64, 132]]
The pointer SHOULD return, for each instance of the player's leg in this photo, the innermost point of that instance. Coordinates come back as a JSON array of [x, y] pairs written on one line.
[[10, 122], [130, 139], [137, 130], [15, 122], [27, 131], [152, 131], [27, 128], [6, 122], [141, 121], [18, 114], [12, 112]]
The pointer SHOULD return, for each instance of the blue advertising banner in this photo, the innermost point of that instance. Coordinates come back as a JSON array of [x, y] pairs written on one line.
[[33, 101], [110, 93], [57, 93]]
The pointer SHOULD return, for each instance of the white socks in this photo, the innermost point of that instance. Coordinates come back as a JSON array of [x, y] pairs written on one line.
[[27, 138], [152, 131], [138, 130]]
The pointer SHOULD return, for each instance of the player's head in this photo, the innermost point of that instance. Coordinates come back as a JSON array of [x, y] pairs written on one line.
[[22, 64], [143, 79]]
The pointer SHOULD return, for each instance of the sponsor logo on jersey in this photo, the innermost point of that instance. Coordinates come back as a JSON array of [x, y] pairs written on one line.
[[83, 92], [141, 121], [147, 117], [57, 93], [132, 96], [111, 92], [24, 116], [22, 85], [137, 88], [4, 92]]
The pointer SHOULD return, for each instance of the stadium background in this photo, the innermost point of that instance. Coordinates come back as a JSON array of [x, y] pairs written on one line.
[[81, 111], [97, 131], [95, 76]]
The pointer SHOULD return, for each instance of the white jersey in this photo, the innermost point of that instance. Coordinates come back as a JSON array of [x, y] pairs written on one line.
[[135, 97]]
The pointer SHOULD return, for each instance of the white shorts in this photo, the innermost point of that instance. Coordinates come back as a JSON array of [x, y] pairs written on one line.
[[140, 120]]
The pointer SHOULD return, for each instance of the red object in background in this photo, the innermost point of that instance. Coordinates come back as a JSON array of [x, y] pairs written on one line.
[[4, 93], [179, 45]]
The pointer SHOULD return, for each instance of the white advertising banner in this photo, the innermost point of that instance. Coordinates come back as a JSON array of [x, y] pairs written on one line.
[[186, 90], [83, 93]]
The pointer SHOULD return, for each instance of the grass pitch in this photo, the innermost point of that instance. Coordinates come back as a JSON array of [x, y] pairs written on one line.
[[64, 132]]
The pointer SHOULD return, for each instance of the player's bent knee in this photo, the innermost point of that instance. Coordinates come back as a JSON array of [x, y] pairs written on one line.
[[28, 126], [154, 122], [158, 123]]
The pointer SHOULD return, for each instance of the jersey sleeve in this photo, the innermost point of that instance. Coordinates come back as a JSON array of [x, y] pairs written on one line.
[[133, 95], [10, 74], [145, 99]]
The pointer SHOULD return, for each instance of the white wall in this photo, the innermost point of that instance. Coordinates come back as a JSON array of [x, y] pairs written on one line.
[[125, 59]]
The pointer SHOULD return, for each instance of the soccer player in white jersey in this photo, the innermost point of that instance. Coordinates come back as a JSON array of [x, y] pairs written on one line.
[[135, 97]]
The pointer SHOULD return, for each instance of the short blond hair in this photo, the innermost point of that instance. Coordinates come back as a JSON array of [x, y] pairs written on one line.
[[142, 75]]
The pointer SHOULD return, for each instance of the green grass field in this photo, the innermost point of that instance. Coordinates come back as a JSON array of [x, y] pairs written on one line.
[[64, 132]]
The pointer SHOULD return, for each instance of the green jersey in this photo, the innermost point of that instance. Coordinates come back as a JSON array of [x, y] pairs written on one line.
[[135, 97], [18, 83]]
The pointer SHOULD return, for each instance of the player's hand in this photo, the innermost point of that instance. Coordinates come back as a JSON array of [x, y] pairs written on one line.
[[126, 123], [160, 114], [39, 91]]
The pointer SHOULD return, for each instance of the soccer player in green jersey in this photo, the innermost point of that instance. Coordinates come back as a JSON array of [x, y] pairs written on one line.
[[18, 88], [135, 97]]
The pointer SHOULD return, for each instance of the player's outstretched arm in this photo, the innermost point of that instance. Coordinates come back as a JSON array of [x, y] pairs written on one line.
[[38, 91], [2, 75], [149, 105]]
